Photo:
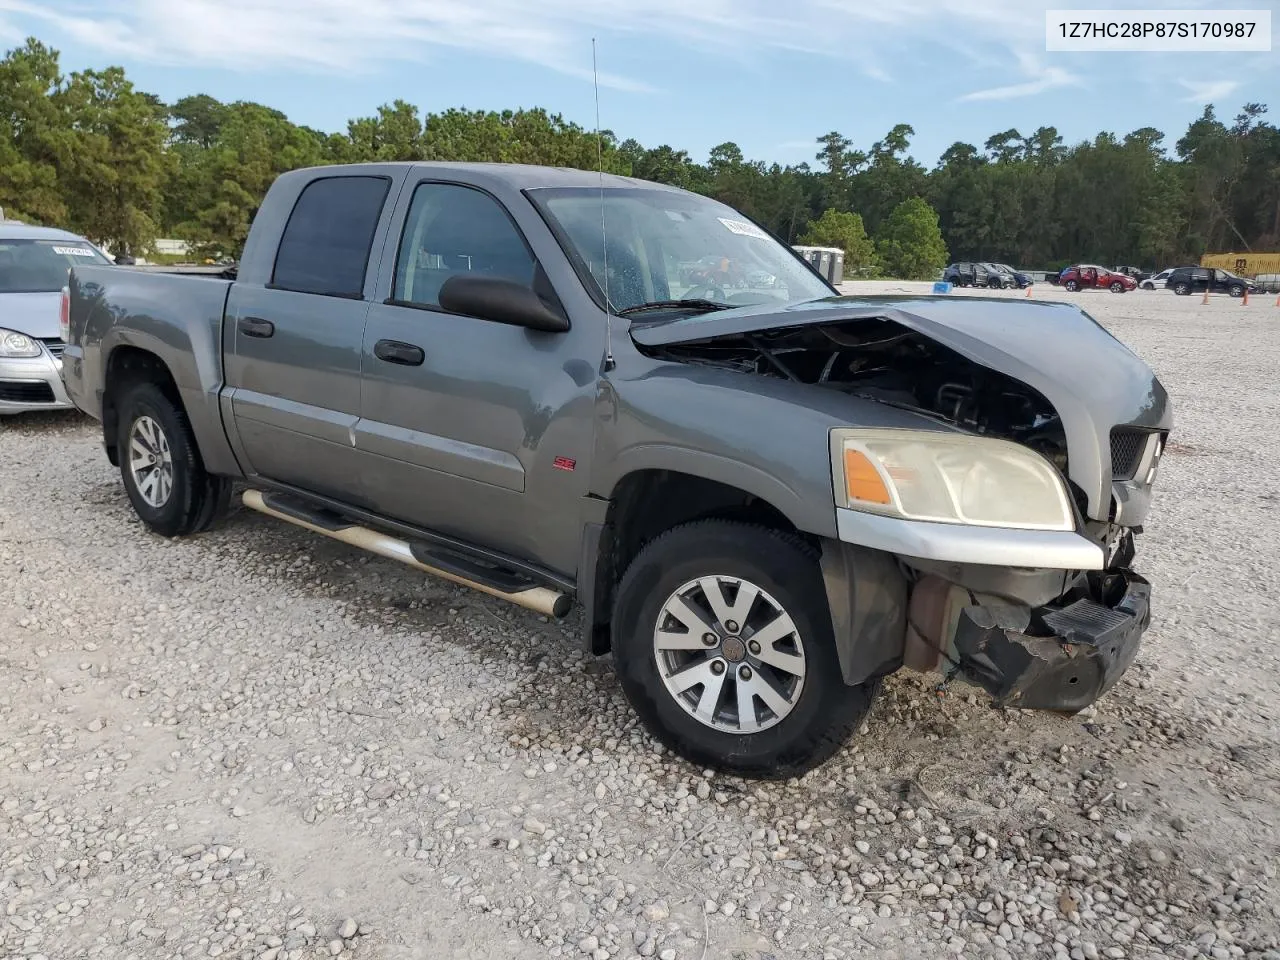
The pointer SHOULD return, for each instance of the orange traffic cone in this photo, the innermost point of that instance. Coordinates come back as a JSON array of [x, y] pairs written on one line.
[[1245, 301], [1278, 301], [1206, 295], [1028, 289]]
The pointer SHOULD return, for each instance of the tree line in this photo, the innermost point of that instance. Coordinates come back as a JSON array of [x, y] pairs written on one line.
[[90, 152]]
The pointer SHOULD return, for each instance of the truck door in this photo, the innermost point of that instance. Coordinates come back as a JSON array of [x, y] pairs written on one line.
[[292, 343], [474, 429]]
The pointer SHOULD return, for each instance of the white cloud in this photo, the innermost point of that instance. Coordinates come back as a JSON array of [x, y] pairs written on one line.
[[1209, 90], [1040, 78], [356, 36]]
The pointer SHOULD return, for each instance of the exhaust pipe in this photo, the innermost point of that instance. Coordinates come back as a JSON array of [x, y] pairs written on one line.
[[543, 600]]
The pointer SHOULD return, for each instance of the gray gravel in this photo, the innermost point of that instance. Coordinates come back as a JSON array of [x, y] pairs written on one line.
[[262, 744]]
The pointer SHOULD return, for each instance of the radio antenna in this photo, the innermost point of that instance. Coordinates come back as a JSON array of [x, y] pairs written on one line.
[[604, 233]]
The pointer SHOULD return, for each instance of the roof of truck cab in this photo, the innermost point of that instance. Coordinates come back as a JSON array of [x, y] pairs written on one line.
[[11, 230], [521, 176]]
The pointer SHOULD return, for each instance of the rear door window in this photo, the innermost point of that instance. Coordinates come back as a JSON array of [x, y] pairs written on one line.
[[326, 243]]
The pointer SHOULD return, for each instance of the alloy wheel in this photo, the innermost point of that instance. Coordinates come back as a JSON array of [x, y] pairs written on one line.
[[150, 462], [729, 654]]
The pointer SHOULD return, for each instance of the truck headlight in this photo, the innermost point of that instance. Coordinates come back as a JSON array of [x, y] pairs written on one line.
[[14, 344], [948, 478]]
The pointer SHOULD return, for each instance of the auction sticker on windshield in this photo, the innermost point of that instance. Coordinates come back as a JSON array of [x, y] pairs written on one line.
[[743, 228], [73, 251]]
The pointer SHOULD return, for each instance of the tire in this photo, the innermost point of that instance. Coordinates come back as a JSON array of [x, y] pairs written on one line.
[[1182, 289], [816, 712], [195, 499], [1117, 286], [1072, 285], [1237, 291]]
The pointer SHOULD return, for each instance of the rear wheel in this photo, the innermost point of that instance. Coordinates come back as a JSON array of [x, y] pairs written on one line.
[[1182, 289], [723, 645], [163, 474]]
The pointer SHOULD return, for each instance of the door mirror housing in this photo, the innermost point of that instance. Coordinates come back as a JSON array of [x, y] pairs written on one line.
[[502, 301]]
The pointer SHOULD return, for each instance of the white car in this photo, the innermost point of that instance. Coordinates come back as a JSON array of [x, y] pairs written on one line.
[[1156, 282], [34, 262]]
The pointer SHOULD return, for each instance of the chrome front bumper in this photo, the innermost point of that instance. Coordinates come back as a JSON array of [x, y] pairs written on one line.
[[957, 543], [31, 384]]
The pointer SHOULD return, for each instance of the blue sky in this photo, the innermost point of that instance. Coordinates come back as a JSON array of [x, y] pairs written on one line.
[[771, 76]]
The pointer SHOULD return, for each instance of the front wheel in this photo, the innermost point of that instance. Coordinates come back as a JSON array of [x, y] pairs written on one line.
[[163, 474], [723, 645], [1236, 291], [1117, 286]]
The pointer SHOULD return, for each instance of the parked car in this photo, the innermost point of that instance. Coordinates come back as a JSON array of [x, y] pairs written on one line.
[[1021, 279], [1185, 281], [1156, 281], [967, 274], [1086, 276], [1136, 273], [746, 496], [34, 263]]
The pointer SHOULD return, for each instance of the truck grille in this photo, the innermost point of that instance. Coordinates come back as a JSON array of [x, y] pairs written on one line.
[[1127, 446], [54, 346], [17, 391]]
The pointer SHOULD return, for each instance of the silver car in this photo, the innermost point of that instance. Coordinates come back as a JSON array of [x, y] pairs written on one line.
[[34, 262]]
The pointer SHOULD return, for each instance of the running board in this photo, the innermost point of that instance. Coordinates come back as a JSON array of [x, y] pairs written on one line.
[[454, 568]]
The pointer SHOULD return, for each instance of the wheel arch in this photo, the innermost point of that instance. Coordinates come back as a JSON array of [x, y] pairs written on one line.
[[645, 503], [137, 359], [127, 365]]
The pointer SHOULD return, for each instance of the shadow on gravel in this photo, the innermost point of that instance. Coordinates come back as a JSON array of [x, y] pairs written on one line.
[[55, 421]]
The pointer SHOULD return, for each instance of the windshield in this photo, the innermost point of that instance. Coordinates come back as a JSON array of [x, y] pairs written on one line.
[[40, 266], [665, 246]]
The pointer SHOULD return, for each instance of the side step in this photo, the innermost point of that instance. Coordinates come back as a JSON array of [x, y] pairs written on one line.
[[449, 566]]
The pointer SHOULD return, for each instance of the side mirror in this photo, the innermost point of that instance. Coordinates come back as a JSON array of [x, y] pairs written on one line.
[[502, 301]]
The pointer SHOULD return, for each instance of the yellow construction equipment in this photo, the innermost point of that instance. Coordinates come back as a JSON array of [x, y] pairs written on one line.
[[1243, 264]]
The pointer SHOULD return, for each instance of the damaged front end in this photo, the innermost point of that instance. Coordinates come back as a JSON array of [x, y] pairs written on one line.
[[948, 575], [1061, 656]]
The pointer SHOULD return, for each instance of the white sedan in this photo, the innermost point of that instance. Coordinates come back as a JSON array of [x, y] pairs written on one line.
[[34, 263]]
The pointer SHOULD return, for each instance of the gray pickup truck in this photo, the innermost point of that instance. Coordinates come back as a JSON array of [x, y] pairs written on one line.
[[553, 386]]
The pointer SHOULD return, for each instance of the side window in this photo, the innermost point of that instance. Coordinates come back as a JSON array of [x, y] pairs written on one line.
[[452, 229], [325, 246]]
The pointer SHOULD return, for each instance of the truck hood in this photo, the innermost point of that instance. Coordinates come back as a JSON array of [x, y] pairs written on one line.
[[1092, 380], [35, 314]]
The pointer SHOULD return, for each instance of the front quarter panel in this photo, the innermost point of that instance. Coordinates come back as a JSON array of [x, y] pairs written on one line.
[[765, 436]]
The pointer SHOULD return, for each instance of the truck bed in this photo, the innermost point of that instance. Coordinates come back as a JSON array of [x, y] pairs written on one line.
[[175, 316]]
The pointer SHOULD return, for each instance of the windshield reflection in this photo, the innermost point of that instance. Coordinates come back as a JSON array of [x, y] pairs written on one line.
[[665, 245]]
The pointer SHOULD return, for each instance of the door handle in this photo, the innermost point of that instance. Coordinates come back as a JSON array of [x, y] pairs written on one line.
[[393, 351], [256, 327]]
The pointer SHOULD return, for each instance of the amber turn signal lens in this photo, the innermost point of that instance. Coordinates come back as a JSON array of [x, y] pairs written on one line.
[[862, 480]]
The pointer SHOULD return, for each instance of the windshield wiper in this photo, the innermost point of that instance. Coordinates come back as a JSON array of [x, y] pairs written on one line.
[[700, 306]]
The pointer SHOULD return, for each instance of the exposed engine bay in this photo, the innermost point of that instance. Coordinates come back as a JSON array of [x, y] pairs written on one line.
[[880, 360]]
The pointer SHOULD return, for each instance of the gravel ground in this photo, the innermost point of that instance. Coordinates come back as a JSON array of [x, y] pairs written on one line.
[[263, 744]]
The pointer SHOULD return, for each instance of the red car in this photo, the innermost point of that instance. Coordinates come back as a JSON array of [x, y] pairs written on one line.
[[1084, 276]]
